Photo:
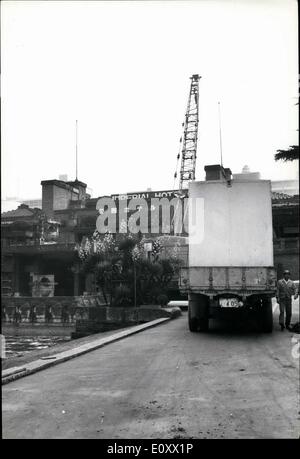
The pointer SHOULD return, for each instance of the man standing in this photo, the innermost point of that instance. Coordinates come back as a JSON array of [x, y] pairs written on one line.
[[285, 289]]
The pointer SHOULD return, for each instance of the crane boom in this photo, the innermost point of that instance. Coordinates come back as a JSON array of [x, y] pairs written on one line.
[[190, 136]]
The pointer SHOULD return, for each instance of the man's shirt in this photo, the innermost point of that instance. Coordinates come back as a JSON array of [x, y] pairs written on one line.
[[285, 289]]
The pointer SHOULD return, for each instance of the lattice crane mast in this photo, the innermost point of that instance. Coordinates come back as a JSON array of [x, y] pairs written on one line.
[[188, 144]]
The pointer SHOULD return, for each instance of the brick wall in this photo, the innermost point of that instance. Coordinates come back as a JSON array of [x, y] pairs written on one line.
[[47, 200], [61, 197]]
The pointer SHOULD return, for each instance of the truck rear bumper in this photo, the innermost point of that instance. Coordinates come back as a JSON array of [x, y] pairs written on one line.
[[240, 293], [239, 281]]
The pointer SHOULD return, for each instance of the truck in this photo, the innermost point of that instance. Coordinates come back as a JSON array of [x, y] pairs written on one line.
[[230, 271]]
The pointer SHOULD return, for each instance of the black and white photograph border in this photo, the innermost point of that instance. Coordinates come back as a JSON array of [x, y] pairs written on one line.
[[149, 222]]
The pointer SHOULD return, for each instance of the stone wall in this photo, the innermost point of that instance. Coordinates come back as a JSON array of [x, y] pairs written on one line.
[[109, 318]]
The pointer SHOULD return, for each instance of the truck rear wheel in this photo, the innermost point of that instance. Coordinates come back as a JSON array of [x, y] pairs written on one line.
[[198, 314], [267, 315], [193, 322], [193, 312], [203, 324], [203, 308]]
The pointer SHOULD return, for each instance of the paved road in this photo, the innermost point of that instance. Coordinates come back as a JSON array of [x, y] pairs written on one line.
[[164, 383]]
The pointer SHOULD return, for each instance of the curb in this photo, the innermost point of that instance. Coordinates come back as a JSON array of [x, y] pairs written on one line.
[[12, 374]]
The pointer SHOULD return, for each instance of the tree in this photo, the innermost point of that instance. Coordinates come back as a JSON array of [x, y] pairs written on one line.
[[98, 256], [291, 154], [121, 268]]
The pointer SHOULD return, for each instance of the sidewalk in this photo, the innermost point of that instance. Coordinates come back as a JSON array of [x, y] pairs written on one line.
[[67, 351]]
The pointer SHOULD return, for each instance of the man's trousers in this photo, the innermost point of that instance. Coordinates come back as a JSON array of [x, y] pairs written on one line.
[[285, 307]]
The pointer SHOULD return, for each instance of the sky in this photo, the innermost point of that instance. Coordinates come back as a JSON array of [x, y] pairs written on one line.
[[122, 69]]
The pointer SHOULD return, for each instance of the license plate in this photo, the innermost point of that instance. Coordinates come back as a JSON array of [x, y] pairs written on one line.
[[229, 303]]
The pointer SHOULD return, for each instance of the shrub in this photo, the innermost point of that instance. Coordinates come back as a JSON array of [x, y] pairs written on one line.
[[122, 296], [162, 300]]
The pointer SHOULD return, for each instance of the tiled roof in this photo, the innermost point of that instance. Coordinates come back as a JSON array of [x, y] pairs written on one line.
[[20, 212], [276, 195], [284, 200]]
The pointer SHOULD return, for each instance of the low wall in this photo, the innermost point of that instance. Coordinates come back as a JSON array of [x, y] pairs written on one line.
[[37, 329], [108, 318]]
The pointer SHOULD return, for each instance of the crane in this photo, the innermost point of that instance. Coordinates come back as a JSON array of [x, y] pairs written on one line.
[[188, 144]]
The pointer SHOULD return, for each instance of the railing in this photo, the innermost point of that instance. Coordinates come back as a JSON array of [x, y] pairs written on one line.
[[37, 246], [43, 310]]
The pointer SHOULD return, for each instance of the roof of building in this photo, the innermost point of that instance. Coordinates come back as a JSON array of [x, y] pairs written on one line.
[[284, 200], [278, 195], [62, 184], [17, 213], [77, 182], [22, 211], [9, 204]]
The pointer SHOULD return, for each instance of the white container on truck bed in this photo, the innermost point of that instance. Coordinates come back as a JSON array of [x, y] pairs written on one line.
[[237, 224]]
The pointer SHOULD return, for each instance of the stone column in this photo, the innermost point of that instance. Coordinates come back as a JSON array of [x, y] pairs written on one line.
[[16, 286]]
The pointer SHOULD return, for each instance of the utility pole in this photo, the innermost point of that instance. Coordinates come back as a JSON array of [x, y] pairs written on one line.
[[76, 150], [220, 132]]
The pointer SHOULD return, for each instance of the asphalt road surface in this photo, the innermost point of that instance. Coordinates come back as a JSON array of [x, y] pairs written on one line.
[[165, 383]]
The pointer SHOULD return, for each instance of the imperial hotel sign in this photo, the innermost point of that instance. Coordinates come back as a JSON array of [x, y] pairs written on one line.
[[150, 212]]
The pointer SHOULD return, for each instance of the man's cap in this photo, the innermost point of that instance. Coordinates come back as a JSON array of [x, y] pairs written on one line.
[[286, 271]]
